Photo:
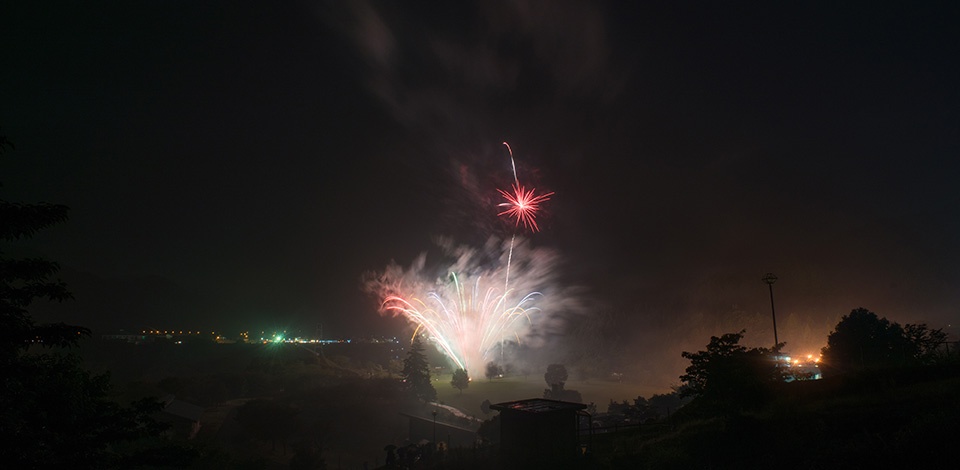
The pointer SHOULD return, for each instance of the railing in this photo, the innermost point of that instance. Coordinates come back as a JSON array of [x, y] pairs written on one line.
[[603, 439], [613, 428]]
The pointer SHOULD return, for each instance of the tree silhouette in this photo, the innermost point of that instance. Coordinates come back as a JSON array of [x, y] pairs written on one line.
[[485, 406], [925, 343], [556, 375], [493, 370], [22, 281], [728, 373], [416, 372], [862, 341], [460, 380], [53, 412], [556, 378], [665, 403]]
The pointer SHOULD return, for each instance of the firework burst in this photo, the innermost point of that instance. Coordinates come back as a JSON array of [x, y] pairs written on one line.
[[523, 205], [465, 312], [461, 315], [465, 322]]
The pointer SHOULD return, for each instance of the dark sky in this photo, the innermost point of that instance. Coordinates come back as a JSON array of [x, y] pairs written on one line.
[[238, 165]]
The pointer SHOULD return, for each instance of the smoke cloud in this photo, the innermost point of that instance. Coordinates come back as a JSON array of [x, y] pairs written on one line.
[[459, 301]]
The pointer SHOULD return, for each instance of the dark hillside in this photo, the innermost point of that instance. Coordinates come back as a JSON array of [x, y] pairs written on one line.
[[891, 419]]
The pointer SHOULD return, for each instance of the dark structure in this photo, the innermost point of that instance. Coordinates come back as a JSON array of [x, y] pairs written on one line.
[[538, 433], [183, 417], [431, 430], [769, 278]]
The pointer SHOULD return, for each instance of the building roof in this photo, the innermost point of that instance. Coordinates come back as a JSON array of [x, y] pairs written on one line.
[[181, 409], [538, 405]]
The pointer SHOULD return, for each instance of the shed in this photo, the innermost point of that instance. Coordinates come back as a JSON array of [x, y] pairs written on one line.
[[538, 432], [183, 417]]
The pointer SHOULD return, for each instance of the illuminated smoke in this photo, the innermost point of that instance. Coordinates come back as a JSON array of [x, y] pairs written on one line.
[[460, 304]]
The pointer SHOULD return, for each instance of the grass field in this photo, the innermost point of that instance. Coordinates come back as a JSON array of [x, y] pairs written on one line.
[[516, 388]]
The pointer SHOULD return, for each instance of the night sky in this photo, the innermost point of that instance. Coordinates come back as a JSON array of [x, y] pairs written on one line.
[[240, 166]]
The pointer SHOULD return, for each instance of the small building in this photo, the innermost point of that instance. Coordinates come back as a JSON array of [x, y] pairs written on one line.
[[123, 336], [183, 418], [539, 433]]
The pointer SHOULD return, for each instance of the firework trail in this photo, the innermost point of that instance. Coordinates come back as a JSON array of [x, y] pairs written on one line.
[[512, 164], [516, 181], [465, 312], [523, 205], [461, 313], [465, 323]]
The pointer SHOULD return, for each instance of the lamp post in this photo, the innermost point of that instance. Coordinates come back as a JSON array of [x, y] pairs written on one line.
[[769, 278], [434, 427]]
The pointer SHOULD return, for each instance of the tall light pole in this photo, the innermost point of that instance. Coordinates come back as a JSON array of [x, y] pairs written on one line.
[[769, 278]]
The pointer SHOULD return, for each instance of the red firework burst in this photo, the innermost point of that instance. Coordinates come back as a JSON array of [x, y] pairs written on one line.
[[523, 205]]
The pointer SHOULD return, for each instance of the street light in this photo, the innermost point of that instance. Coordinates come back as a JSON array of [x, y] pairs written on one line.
[[769, 278]]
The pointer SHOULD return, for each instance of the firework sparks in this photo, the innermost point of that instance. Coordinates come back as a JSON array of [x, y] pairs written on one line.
[[465, 323], [467, 320], [523, 205]]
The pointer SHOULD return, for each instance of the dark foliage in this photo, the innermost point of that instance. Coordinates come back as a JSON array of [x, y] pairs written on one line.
[[730, 375], [556, 378], [53, 412], [493, 370], [22, 281], [556, 374], [640, 411], [460, 379], [269, 420], [558, 392], [863, 341], [485, 407], [663, 404], [894, 418], [925, 343], [416, 372]]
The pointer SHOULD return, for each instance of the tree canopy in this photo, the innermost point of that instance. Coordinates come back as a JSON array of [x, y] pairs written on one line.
[[53, 412], [729, 373], [864, 341], [556, 375], [22, 281], [416, 372], [493, 370], [556, 378], [460, 380]]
